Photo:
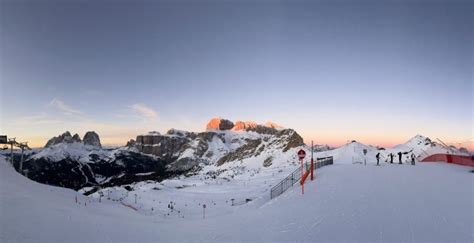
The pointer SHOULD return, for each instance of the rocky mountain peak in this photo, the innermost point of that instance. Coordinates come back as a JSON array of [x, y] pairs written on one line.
[[76, 138], [247, 125], [184, 150], [273, 125], [63, 138], [153, 133], [66, 134], [177, 132], [219, 124], [92, 138]]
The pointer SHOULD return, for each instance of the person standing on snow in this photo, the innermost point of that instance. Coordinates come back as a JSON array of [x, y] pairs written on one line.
[[400, 157], [412, 159], [378, 158], [391, 158]]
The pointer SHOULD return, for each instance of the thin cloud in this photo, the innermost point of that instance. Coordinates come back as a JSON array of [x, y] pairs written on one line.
[[38, 119], [59, 104], [144, 111]]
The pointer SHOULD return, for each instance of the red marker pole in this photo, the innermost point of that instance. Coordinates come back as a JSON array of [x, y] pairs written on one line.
[[301, 155], [302, 173]]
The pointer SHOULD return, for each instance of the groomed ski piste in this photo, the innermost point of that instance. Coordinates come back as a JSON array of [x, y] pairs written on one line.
[[347, 202]]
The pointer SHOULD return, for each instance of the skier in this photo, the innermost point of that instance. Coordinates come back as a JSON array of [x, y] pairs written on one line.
[[400, 157], [378, 158], [391, 158], [412, 159]]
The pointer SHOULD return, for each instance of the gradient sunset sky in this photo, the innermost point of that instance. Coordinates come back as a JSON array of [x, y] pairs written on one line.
[[379, 72]]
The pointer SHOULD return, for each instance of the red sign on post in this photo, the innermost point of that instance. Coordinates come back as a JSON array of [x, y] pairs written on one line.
[[301, 154]]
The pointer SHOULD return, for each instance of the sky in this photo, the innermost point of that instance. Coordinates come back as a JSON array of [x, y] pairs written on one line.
[[379, 72]]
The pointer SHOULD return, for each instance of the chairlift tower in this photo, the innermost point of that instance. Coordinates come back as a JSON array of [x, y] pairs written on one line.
[[13, 143], [22, 146]]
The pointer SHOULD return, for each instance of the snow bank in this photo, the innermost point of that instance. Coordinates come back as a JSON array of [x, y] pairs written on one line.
[[346, 203]]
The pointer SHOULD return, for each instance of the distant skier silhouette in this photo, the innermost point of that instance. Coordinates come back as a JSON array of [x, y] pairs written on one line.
[[378, 158], [412, 159], [391, 158], [400, 157]]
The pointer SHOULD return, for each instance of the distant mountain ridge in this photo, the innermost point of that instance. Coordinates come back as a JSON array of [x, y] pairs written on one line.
[[225, 147], [90, 138], [419, 145], [223, 141], [71, 162]]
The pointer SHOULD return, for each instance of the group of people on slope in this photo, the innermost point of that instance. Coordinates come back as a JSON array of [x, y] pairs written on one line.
[[391, 155]]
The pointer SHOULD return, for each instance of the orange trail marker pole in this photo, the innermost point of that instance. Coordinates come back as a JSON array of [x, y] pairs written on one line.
[[302, 182], [303, 179]]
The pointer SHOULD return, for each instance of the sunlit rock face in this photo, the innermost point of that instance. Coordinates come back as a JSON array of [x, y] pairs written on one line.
[[273, 125], [254, 127], [219, 124], [247, 125], [223, 142]]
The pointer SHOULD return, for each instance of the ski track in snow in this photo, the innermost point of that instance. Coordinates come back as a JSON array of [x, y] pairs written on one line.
[[83, 174]]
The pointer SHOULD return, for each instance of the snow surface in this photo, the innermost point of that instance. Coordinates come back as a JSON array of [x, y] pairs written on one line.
[[430, 202]]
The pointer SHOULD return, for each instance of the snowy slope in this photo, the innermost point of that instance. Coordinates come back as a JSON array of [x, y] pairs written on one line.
[[419, 145], [349, 153], [32, 212], [75, 151], [347, 203], [238, 180], [153, 156], [423, 147]]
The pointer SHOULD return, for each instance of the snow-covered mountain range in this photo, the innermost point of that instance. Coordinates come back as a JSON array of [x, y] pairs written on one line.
[[71, 162], [222, 142], [226, 149]]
